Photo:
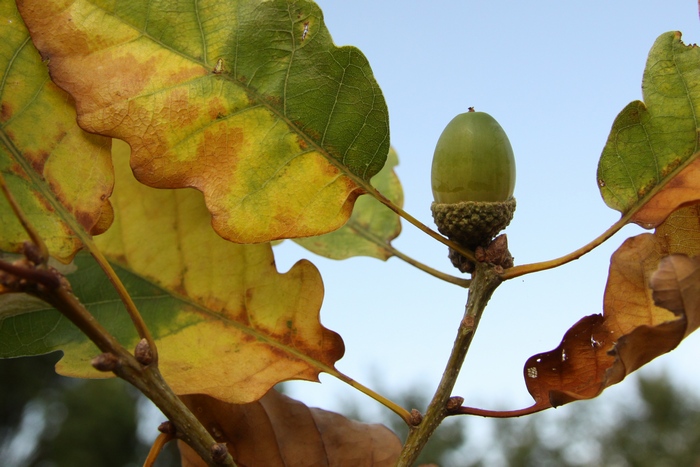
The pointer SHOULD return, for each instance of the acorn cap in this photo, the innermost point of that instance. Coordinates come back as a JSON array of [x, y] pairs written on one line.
[[473, 223]]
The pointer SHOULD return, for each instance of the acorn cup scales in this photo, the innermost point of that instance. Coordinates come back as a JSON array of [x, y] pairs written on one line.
[[473, 179]]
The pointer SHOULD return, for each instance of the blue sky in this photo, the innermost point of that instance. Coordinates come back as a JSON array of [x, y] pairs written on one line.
[[555, 75]]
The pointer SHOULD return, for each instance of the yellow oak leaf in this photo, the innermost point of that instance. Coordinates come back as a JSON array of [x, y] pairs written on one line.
[[60, 176], [248, 102]]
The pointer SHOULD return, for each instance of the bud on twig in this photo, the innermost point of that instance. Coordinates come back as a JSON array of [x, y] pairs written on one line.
[[143, 353], [416, 417], [167, 427], [219, 453], [453, 404], [33, 253], [105, 362]]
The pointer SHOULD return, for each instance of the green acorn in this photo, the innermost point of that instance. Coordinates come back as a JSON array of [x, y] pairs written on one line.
[[473, 179]]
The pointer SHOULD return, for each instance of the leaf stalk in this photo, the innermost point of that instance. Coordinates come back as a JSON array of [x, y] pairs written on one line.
[[131, 309], [521, 270], [418, 224], [156, 448], [26, 225], [388, 403], [461, 282]]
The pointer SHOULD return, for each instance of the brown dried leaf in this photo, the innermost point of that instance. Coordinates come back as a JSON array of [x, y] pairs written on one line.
[[600, 350], [676, 287], [280, 431]]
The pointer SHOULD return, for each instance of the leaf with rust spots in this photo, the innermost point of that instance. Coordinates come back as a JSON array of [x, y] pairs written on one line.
[[249, 102], [649, 166], [226, 323], [278, 431], [57, 173], [372, 226], [601, 350]]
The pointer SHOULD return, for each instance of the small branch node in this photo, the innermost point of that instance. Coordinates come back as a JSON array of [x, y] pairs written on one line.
[[219, 453], [168, 428], [468, 322], [105, 362], [34, 253], [23, 275], [143, 353], [454, 403], [416, 417]]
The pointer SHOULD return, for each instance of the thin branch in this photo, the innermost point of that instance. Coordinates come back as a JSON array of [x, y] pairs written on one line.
[[145, 378], [391, 405], [523, 269], [56, 291], [388, 247], [484, 283], [518, 271], [32, 275]]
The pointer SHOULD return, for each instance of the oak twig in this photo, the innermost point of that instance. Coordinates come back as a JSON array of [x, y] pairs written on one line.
[[484, 282], [26, 225], [146, 378]]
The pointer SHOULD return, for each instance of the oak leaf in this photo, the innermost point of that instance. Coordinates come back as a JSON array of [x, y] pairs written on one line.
[[601, 350], [249, 102], [278, 431], [676, 286], [372, 226], [60, 175], [226, 323], [648, 171], [649, 166]]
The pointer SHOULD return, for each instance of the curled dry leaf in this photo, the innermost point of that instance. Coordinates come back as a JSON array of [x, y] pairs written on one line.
[[601, 350], [278, 431], [676, 286]]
